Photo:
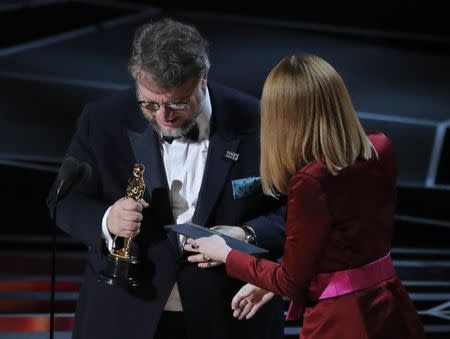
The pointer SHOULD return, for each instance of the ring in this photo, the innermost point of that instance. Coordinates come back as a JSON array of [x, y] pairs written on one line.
[[243, 302], [194, 245]]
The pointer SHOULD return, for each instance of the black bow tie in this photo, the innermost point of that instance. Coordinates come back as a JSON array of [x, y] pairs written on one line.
[[192, 135]]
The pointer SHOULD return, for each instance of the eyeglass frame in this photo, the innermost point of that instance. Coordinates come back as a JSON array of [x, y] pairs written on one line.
[[157, 106]]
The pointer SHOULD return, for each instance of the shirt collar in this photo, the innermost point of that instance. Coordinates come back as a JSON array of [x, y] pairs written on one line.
[[204, 117]]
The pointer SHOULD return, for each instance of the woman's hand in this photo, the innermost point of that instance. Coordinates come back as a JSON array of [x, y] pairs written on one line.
[[213, 250], [248, 300]]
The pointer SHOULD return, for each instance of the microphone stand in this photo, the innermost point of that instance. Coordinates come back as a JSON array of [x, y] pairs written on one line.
[[52, 279], [53, 263], [72, 172]]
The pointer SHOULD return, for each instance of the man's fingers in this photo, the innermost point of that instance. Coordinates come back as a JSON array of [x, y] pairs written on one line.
[[132, 216], [144, 203], [130, 205], [129, 229], [128, 234], [130, 226], [125, 218]]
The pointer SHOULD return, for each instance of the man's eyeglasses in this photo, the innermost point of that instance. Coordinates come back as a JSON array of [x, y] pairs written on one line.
[[170, 105]]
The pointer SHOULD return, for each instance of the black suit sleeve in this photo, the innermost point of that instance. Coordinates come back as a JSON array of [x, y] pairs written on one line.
[[270, 231], [80, 213]]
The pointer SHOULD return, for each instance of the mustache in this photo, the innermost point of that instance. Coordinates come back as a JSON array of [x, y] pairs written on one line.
[[187, 125], [185, 128]]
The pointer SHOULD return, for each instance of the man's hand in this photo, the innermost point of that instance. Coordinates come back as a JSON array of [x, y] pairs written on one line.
[[248, 300], [232, 231], [125, 216]]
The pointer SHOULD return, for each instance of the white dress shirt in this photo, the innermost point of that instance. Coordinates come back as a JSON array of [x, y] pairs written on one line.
[[184, 163]]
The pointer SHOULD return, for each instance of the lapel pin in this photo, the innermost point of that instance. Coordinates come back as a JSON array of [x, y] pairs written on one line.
[[232, 155]]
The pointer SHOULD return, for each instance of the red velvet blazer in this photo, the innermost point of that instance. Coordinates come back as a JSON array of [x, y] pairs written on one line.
[[334, 223]]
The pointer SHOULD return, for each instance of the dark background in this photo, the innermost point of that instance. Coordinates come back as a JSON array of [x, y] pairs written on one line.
[[55, 56]]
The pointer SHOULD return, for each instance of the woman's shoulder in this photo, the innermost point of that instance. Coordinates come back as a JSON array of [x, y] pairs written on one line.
[[380, 141], [317, 171], [312, 173]]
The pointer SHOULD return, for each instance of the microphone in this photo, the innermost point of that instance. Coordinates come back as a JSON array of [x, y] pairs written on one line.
[[71, 173]]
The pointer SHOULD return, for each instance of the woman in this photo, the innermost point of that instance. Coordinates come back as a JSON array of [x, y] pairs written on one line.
[[341, 191]]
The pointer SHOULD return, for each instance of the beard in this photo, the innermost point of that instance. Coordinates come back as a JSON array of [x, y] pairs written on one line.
[[177, 132]]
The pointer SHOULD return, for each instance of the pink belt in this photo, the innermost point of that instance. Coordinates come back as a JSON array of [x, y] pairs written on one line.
[[330, 285]]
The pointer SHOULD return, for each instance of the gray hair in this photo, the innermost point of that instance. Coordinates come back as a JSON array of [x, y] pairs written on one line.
[[170, 52]]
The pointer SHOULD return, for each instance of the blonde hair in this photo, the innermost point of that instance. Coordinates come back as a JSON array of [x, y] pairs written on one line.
[[307, 115]]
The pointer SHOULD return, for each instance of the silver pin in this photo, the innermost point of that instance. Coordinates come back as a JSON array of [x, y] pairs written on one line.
[[232, 155]]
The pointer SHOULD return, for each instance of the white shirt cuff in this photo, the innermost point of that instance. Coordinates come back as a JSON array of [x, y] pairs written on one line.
[[105, 232]]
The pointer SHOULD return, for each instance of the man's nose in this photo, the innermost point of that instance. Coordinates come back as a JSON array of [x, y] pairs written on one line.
[[165, 112]]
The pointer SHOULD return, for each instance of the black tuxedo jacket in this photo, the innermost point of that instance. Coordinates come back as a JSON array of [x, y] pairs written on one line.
[[112, 135]]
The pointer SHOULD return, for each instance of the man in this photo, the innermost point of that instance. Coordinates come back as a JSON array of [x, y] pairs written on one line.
[[195, 140]]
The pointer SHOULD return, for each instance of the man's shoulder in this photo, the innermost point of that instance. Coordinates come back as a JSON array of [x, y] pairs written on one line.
[[113, 108], [234, 109], [114, 100], [233, 96], [232, 93]]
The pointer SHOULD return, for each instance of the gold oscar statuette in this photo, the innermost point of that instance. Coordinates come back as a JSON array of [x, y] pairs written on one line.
[[120, 266], [135, 191]]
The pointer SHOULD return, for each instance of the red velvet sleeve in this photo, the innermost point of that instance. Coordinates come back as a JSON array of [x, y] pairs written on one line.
[[307, 227]]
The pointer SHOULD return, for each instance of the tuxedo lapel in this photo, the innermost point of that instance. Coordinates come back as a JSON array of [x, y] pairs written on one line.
[[147, 151], [218, 165]]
